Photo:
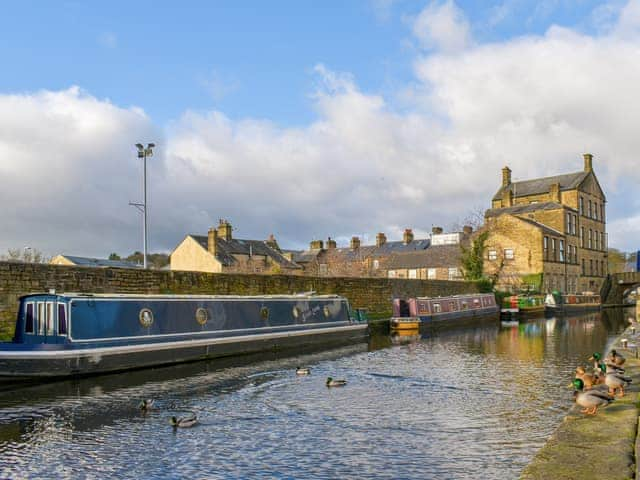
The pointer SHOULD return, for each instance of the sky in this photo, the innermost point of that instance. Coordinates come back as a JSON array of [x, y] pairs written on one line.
[[305, 119]]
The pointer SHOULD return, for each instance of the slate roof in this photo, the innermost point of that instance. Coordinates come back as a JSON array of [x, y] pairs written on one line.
[[542, 226], [438, 256], [100, 262], [348, 254], [236, 246], [524, 209], [567, 181]]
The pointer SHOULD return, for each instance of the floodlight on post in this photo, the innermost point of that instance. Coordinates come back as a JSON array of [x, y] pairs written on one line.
[[144, 153]]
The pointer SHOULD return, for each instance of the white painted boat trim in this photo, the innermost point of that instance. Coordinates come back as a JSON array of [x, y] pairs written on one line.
[[126, 349]]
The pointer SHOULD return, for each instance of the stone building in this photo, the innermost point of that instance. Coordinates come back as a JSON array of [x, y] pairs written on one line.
[[219, 252], [438, 262], [550, 231], [357, 260], [74, 260]]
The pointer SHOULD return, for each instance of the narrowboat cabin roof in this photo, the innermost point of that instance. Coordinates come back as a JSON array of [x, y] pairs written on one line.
[[128, 296], [462, 295]]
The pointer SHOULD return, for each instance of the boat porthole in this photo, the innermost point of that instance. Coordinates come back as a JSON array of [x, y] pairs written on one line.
[[145, 317], [326, 311], [296, 312], [202, 316], [264, 313]]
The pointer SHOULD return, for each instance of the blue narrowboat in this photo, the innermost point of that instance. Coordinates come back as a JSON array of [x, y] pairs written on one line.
[[79, 334]]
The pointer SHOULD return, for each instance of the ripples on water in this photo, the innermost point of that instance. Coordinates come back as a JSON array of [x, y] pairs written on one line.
[[467, 403]]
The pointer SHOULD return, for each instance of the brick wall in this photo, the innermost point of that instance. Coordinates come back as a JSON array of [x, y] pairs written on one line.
[[375, 294]]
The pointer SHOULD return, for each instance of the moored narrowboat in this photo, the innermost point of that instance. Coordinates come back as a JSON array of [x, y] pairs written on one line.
[[523, 305], [79, 334], [436, 309], [557, 303]]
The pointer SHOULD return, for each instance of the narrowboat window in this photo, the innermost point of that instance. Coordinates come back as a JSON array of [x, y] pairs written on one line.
[[202, 316], [41, 318], [49, 318], [62, 319], [296, 312], [476, 301], [28, 319], [437, 308], [264, 313], [326, 311], [465, 306], [145, 317]]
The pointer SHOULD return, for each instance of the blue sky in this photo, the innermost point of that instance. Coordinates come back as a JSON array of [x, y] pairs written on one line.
[[306, 119], [248, 59]]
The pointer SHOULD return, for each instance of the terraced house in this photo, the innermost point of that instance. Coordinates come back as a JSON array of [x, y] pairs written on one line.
[[548, 232]]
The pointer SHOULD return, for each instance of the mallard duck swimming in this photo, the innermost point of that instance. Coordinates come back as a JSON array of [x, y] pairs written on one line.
[[183, 422], [591, 399], [616, 381], [335, 383], [303, 371], [146, 404]]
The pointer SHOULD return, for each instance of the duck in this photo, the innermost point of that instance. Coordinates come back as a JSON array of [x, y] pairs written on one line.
[[303, 371], [146, 404], [335, 383], [616, 381], [591, 399], [588, 379], [615, 358], [183, 422]]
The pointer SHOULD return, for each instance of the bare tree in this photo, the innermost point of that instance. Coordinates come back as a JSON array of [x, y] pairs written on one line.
[[25, 255], [473, 218]]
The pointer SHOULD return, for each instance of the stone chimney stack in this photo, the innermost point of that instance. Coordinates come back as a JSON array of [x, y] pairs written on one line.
[[224, 229], [212, 241], [273, 243], [381, 239], [407, 237], [355, 243], [436, 230], [507, 198], [506, 176], [467, 229], [554, 192], [331, 243], [588, 162], [316, 245]]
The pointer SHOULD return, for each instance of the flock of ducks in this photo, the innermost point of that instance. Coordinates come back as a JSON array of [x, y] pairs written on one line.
[[146, 405], [598, 389]]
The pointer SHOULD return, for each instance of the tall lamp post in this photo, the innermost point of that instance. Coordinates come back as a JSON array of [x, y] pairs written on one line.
[[144, 153]]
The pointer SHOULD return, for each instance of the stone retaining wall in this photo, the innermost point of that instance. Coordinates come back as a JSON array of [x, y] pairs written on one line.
[[374, 294]]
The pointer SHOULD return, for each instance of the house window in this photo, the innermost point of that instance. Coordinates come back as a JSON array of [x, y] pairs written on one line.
[[590, 211], [568, 226], [590, 243], [602, 246], [601, 212], [595, 239], [553, 250], [323, 270], [574, 227], [376, 264], [431, 274], [493, 254], [581, 206], [583, 267], [581, 237], [508, 254], [454, 274], [545, 247], [591, 267], [391, 274], [413, 273], [437, 308], [562, 250], [595, 211]]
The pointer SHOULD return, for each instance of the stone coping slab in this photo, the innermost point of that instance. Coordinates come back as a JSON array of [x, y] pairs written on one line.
[[595, 447]]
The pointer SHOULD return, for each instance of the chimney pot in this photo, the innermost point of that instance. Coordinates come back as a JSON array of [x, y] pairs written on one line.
[[355, 243], [436, 230], [316, 245], [467, 229], [331, 243], [407, 237], [588, 162], [224, 229], [381, 239]]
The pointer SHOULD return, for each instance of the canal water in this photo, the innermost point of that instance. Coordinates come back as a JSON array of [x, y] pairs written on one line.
[[469, 403]]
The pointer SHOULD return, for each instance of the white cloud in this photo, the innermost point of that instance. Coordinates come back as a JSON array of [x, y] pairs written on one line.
[[442, 26], [218, 85]]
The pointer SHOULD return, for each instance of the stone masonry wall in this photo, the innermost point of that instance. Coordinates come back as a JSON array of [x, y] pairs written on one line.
[[374, 294]]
